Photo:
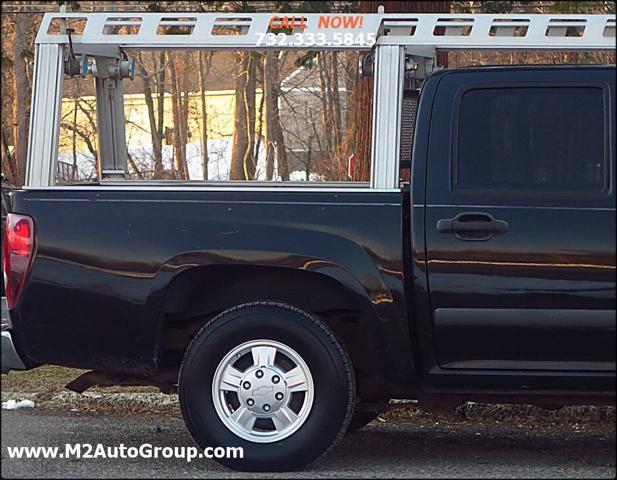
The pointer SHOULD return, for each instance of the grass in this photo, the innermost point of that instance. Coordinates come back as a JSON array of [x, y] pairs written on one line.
[[42, 379]]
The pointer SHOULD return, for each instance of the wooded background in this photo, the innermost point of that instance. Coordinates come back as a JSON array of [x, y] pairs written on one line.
[[269, 115]]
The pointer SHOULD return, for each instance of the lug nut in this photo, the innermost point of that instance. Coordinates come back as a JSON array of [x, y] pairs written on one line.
[[246, 385], [266, 408], [250, 402], [259, 374], [276, 379], [279, 396]]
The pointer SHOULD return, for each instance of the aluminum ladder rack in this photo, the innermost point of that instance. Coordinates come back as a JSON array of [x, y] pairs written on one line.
[[392, 42]]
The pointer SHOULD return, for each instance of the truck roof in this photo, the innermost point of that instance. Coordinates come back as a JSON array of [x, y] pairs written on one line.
[[509, 68]]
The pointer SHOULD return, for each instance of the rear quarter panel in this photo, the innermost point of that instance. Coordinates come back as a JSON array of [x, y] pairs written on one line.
[[104, 257]]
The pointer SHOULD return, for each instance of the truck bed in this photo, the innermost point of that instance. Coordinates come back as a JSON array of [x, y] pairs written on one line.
[[106, 256]]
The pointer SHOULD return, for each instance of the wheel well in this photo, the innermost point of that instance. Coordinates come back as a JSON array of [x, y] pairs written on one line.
[[199, 294]]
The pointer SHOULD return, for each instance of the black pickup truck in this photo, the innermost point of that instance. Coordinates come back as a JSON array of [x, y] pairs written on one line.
[[287, 315]]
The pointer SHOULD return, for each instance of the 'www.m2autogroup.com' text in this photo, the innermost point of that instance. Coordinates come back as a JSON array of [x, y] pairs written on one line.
[[146, 450]]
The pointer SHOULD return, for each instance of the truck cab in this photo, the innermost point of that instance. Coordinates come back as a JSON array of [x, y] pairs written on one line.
[[518, 196]]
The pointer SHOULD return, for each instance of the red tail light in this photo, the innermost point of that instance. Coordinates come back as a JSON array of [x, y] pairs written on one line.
[[18, 247]]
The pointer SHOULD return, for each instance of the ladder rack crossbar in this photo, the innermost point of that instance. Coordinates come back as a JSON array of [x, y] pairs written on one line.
[[246, 30]]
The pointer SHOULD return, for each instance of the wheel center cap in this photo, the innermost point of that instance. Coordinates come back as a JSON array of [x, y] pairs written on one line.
[[263, 390]]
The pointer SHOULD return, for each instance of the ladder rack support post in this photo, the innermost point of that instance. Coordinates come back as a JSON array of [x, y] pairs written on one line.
[[111, 128], [45, 111], [387, 103]]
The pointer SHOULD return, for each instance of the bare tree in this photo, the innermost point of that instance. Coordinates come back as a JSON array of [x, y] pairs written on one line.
[[270, 99], [335, 97], [78, 129], [205, 62], [178, 128], [160, 110], [331, 111], [187, 66], [275, 142], [21, 98], [243, 164], [156, 130]]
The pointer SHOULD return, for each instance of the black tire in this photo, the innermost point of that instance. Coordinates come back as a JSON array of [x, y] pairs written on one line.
[[334, 385], [360, 420]]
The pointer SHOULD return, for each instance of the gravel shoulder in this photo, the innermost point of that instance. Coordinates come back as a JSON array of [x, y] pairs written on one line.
[[384, 449], [473, 441]]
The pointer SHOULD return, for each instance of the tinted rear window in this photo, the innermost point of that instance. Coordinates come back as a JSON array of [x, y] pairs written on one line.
[[531, 139]]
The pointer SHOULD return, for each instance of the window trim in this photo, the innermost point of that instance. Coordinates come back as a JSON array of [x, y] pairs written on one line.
[[555, 194]]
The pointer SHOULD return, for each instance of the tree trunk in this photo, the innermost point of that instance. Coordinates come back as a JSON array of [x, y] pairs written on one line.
[[335, 101], [275, 142], [364, 89], [157, 142], [335, 114], [74, 143], [205, 60], [176, 109], [325, 108], [260, 130], [21, 99], [270, 99], [160, 107], [242, 161], [239, 142], [249, 162], [281, 151], [184, 103]]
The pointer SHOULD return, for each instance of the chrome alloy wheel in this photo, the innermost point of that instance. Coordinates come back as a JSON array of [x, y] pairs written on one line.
[[263, 391]]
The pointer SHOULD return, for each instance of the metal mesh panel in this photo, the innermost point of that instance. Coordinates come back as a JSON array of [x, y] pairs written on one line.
[[408, 126]]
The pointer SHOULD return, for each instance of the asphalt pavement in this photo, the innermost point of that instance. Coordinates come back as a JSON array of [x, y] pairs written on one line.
[[381, 450]]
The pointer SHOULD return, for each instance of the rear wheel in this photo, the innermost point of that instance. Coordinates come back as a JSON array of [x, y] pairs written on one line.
[[268, 378]]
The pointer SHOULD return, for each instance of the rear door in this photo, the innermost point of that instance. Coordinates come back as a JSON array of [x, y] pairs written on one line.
[[520, 220]]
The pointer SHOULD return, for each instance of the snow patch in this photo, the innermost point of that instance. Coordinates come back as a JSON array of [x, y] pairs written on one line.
[[14, 405]]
